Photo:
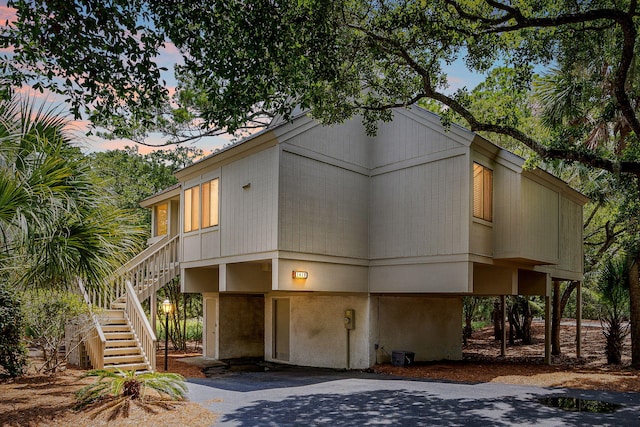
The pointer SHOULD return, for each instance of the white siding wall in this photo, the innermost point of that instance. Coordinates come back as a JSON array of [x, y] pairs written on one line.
[[507, 217], [407, 137], [249, 215], [571, 256], [346, 142], [526, 218], [540, 215], [421, 210], [323, 208]]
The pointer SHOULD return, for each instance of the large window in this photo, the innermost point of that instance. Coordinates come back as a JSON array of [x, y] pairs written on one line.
[[192, 209], [210, 203], [208, 211], [482, 192], [161, 219]]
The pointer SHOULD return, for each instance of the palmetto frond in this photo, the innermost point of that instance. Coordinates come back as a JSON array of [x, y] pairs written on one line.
[[114, 385], [55, 221]]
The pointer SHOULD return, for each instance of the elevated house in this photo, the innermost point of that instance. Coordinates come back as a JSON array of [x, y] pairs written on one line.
[[321, 246]]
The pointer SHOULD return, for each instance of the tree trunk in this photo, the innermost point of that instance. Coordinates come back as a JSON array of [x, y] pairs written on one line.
[[559, 304], [527, 318], [634, 308], [497, 319]]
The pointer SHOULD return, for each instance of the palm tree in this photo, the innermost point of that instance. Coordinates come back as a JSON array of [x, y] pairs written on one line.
[[56, 225], [613, 288]]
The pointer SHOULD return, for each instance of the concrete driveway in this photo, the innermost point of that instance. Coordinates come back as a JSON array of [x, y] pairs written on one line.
[[316, 397]]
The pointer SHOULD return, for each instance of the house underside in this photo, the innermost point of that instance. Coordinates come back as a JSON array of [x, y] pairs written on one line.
[[246, 316]]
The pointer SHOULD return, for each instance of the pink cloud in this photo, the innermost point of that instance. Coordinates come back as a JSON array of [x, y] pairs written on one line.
[[170, 52], [7, 14]]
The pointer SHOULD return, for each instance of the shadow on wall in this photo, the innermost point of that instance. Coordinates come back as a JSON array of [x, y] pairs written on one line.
[[404, 408]]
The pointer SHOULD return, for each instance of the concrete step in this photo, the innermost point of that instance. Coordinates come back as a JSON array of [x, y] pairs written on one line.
[[115, 351]]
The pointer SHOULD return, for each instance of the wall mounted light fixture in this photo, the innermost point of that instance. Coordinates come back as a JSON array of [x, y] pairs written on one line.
[[296, 274]]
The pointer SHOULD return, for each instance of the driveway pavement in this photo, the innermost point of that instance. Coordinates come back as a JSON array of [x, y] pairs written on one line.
[[317, 397]]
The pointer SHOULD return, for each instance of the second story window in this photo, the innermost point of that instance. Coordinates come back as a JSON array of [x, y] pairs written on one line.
[[192, 209], [210, 203], [482, 192], [161, 219]]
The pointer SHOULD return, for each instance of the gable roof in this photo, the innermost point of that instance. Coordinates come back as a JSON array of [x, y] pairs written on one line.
[[162, 195], [429, 119]]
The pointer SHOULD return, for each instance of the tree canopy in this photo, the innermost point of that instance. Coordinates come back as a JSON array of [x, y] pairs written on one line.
[[243, 62], [57, 225]]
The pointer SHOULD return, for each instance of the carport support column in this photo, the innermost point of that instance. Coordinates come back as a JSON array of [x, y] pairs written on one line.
[[579, 320], [503, 317], [547, 321]]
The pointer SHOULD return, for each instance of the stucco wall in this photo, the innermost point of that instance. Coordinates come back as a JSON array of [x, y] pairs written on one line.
[[317, 333], [323, 276], [241, 330], [429, 327], [204, 279]]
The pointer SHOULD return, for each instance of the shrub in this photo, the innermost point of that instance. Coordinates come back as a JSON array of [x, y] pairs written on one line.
[[613, 288], [116, 389], [13, 353], [46, 313]]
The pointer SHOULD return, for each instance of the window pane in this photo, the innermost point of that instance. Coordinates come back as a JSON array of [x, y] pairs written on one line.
[[213, 206], [187, 210], [206, 199], [210, 203], [192, 209], [162, 217], [195, 208], [482, 192], [477, 190], [488, 195]]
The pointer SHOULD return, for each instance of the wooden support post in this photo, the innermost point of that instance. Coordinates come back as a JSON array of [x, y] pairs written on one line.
[[503, 346], [547, 329], [579, 320], [547, 321]]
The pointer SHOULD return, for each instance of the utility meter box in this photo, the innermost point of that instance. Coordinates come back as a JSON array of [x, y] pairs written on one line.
[[350, 318]]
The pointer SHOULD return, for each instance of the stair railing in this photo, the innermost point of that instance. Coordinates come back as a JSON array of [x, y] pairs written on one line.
[[141, 327], [92, 335], [148, 271], [137, 280]]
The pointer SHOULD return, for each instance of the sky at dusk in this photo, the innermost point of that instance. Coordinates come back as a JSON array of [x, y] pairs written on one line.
[[458, 77]]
